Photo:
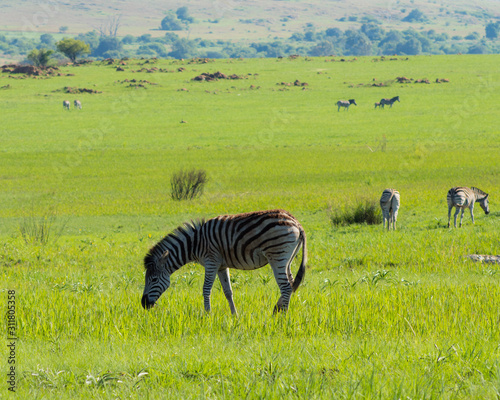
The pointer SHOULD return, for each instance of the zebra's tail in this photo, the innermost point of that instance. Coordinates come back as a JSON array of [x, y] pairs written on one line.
[[302, 269]]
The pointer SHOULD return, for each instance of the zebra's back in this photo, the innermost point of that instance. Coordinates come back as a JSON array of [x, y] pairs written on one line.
[[388, 195], [460, 197], [250, 240]]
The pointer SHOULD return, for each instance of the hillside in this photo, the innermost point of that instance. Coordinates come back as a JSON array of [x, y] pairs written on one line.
[[245, 20]]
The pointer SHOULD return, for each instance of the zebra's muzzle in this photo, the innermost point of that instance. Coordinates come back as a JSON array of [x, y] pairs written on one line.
[[146, 303]]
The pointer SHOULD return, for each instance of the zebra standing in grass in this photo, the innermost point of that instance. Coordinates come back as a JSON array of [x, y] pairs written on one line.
[[389, 202], [242, 241], [66, 104], [388, 102], [345, 104], [78, 104], [464, 197], [377, 105]]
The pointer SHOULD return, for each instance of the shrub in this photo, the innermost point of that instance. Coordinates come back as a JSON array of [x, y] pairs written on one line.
[[40, 58], [363, 212], [41, 229], [171, 23], [187, 185], [415, 16]]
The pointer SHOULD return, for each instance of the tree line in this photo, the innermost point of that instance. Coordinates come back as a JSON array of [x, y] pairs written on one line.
[[369, 39]]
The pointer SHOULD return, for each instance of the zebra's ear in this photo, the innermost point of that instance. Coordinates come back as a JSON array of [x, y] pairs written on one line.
[[164, 256]]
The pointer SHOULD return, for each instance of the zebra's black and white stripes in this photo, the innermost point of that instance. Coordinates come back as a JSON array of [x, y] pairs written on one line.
[[345, 104], [464, 197], [242, 241], [389, 102], [66, 104], [389, 203], [78, 104]]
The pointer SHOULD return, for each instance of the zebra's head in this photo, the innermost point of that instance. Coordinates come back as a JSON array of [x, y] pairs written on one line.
[[157, 279], [485, 205], [352, 101]]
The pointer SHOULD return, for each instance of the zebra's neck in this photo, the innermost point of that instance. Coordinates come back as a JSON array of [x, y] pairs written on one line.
[[181, 246], [478, 193]]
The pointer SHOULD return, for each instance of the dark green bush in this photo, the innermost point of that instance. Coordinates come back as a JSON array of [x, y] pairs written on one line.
[[187, 185], [363, 212]]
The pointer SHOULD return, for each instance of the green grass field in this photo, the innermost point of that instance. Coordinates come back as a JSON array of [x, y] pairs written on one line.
[[380, 314]]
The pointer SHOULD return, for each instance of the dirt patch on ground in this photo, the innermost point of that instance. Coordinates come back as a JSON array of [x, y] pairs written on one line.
[[148, 70], [399, 79], [296, 83], [31, 70], [207, 77], [198, 60], [76, 90], [135, 83]]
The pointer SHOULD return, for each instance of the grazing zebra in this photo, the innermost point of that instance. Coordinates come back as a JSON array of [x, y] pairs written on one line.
[[345, 104], [242, 241], [389, 202], [377, 105], [385, 102], [77, 104], [464, 197], [66, 104]]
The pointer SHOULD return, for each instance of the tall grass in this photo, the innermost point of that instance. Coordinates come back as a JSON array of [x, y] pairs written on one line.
[[365, 211], [41, 229], [188, 185]]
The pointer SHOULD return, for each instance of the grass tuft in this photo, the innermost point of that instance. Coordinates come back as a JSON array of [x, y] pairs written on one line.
[[363, 212], [40, 229], [187, 185]]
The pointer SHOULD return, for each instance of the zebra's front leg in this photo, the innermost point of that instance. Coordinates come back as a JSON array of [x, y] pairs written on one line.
[[285, 288], [210, 274], [226, 287], [472, 213]]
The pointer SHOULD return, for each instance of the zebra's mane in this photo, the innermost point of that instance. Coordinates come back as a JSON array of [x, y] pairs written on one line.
[[157, 251], [479, 191]]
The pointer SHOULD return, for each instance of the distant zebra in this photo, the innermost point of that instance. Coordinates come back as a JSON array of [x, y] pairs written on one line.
[[389, 203], [66, 104], [386, 102], [464, 197], [78, 104], [377, 105], [242, 241], [345, 104]]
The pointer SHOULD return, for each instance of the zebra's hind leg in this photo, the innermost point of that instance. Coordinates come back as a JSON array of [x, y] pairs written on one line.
[[461, 216], [449, 215], [385, 217], [226, 287], [455, 217], [280, 274]]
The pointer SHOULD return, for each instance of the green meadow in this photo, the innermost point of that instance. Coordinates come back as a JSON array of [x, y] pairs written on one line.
[[400, 314]]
